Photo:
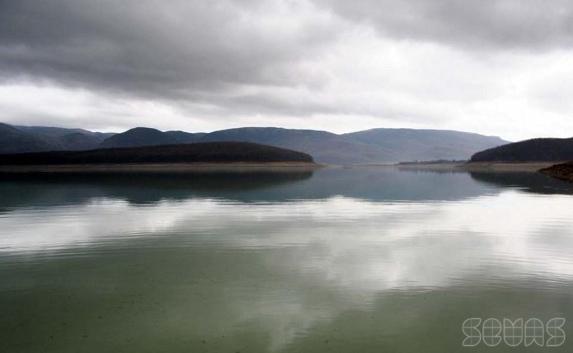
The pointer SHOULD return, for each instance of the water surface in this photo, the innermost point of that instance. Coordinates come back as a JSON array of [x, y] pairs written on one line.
[[337, 260]]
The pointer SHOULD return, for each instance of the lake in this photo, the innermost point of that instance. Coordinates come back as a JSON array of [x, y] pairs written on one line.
[[335, 260]]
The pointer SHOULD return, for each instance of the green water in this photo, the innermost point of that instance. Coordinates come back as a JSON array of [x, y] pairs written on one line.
[[337, 260]]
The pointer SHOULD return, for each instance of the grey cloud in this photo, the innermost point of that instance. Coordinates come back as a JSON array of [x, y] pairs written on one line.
[[236, 59], [470, 24], [177, 49]]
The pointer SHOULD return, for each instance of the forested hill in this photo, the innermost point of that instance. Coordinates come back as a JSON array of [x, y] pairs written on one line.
[[535, 150], [214, 152]]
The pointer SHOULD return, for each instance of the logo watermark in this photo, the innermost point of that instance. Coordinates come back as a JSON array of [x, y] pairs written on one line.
[[492, 332]]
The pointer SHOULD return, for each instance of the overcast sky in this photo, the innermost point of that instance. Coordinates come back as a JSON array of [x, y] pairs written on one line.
[[498, 67]]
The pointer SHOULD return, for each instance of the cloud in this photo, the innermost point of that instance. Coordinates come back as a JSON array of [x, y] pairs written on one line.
[[492, 67], [470, 24], [149, 48]]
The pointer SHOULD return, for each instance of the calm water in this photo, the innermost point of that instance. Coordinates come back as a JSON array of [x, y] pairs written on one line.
[[339, 260]]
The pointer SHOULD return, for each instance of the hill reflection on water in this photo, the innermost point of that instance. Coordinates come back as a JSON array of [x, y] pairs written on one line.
[[367, 183]]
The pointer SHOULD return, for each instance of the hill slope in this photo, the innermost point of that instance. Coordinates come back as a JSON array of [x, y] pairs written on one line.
[[66, 139], [536, 150], [142, 136], [13, 140], [412, 144], [137, 137], [185, 137], [187, 153], [324, 146]]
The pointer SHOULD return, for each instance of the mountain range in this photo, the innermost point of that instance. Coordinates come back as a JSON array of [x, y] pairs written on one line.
[[369, 146], [21, 139]]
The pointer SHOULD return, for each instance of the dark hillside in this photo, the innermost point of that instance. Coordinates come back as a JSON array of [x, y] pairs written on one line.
[[219, 152], [138, 137], [64, 139], [536, 150], [14, 140]]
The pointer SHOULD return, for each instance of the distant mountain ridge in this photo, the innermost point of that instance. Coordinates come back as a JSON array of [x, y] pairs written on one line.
[[535, 150], [424, 144], [43, 138], [324, 146], [370, 146], [13, 140], [144, 136]]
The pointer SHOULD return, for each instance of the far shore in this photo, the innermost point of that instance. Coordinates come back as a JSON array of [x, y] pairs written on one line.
[[507, 166], [159, 168], [531, 167], [481, 166]]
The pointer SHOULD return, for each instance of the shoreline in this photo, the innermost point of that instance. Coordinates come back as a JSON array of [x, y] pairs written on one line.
[[531, 167], [563, 171], [167, 168], [508, 166], [159, 168]]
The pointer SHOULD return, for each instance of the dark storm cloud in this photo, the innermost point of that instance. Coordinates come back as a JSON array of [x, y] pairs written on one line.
[[164, 49], [473, 24], [219, 63], [200, 50]]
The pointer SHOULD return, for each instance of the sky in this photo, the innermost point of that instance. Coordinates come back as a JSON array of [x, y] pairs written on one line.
[[502, 67]]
